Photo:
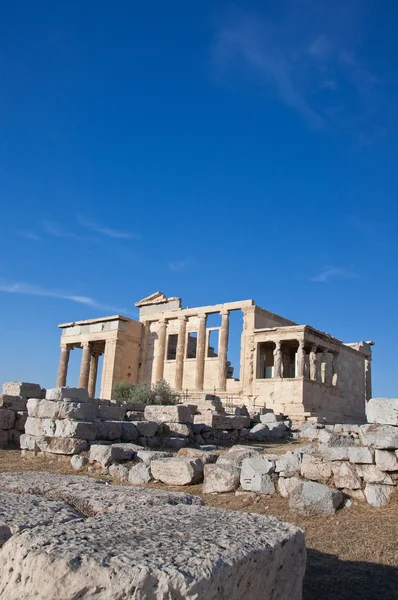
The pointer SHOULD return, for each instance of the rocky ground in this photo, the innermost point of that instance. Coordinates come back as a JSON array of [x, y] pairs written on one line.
[[353, 554]]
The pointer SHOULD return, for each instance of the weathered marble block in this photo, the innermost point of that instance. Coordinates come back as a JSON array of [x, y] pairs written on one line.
[[69, 393], [12, 402], [21, 388], [178, 413], [383, 411], [62, 409]]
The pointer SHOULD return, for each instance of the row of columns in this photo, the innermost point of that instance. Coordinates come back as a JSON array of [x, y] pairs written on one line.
[[315, 369], [88, 367], [200, 351]]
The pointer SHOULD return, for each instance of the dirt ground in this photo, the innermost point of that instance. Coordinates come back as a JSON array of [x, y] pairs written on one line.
[[351, 555]]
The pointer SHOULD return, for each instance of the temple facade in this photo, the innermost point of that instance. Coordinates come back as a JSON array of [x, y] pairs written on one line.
[[290, 368]]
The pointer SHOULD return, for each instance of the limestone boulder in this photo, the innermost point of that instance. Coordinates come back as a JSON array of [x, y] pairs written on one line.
[[62, 409], [55, 445], [386, 461], [146, 428], [277, 430], [271, 417], [383, 411], [255, 475], [382, 437], [78, 462], [334, 440], [154, 554], [140, 474], [361, 455], [174, 443], [228, 422], [371, 474], [236, 455], [14, 403], [109, 430], [147, 456], [7, 418], [286, 485], [220, 478], [119, 472], [178, 413], [334, 453], [177, 430], [21, 388], [259, 432], [315, 468], [289, 464], [70, 393], [346, 476], [177, 471], [312, 498], [113, 412], [378, 495], [129, 432], [28, 442], [205, 457]]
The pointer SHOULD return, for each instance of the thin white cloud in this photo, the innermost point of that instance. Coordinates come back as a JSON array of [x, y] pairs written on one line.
[[58, 232], [29, 235], [253, 43], [332, 273], [108, 231], [28, 289], [179, 266]]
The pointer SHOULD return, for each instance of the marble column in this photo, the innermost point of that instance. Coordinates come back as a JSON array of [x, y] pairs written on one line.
[[324, 365], [161, 350], [222, 351], [85, 365], [63, 365], [92, 379], [300, 359], [180, 354], [201, 353], [277, 360], [335, 368], [368, 379], [314, 362]]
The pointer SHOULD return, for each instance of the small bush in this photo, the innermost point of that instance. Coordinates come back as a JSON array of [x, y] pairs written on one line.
[[143, 393]]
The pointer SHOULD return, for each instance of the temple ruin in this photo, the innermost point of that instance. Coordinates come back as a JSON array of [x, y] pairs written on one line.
[[289, 368]]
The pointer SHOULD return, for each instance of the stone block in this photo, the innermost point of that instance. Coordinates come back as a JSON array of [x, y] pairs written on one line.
[[286, 485], [386, 461], [220, 478], [66, 446], [346, 476], [121, 452], [259, 432], [132, 415], [78, 462], [378, 495], [65, 428], [205, 457], [276, 430], [335, 440], [21, 388], [109, 430], [67, 393], [101, 453], [173, 442], [230, 421], [178, 413], [113, 412], [140, 474], [147, 456], [260, 555], [3, 438], [361, 455], [28, 442], [383, 411], [7, 418], [255, 475], [20, 420], [119, 472], [289, 464], [312, 498], [62, 409], [177, 430], [334, 453], [129, 432], [14, 437], [134, 406], [146, 428], [371, 474], [315, 468], [14, 403], [271, 417], [382, 437], [235, 456], [177, 471]]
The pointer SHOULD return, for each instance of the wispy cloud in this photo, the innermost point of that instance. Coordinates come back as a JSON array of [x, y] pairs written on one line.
[[108, 231], [179, 265], [28, 289], [332, 273], [59, 232], [253, 42], [29, 235]]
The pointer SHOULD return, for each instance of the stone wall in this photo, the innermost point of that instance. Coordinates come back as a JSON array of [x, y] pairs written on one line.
[[13, 413]]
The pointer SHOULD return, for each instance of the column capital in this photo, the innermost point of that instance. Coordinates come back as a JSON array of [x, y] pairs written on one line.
[[163, 321], [202, 315], [277, 346], [301, 343], [86, 345], [183, 318], [66, 347], [314, 347]]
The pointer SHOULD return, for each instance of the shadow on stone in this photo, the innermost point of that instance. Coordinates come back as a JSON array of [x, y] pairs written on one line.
[[328, 577]]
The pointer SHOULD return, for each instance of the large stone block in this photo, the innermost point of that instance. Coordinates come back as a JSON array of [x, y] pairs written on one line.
[[147, 456], [259, 432], [236, 455], [109, 430], [119, 472], [3, 438], [177, 471], [65, 428], [7, 418], [140, 474], [55, 445], [21, 388], [383, 411], [386, 461], [289, 464], [316, 468], [172, 442], [113, 412], [277, 430], [378, 495], [69, 393], [177, 430], [371, 474], [154, 555], [178, 413], [382, 437], [346, 476], [286, 485], [205, 456], [146, 428], [313, 498], [334, 453], [361, 455], [20, 420], [129, 432], [62, 409], [28, 442], [255, 475], [12, 402], [220, 478]]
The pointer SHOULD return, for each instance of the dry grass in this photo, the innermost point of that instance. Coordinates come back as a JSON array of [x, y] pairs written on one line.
[[351, 555]]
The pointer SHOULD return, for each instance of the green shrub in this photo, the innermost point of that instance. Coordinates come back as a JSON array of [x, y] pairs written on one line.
[[143, 393]]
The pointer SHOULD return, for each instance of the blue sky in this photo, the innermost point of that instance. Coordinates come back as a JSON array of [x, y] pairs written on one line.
[[210, 150]]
